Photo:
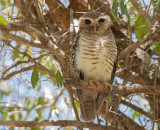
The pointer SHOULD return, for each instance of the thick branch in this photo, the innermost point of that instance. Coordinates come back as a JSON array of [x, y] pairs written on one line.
[[62, 123], [59, 14], [46, 42], [20, 40], [30, 30], [139, 79], [117, 89], [135, 89]]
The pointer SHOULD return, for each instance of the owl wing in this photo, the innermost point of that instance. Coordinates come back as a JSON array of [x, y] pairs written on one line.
[[74, 51], [114, 71]]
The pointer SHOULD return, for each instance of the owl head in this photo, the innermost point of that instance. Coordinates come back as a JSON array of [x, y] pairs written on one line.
[[95, 22]]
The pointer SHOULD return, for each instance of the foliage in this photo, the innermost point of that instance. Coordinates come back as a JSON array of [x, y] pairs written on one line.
[[59, 79], [34, 77], [142, 27], [3, 21]]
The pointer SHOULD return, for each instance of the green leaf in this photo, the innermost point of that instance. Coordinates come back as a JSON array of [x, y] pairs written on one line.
[[4, 115], [59, 79], [35, 128], [17, 116], [110, 99], [124, 10], [3, 21], [41, 73], [77, 105], [12, 117], [157, 6], [41, 101], [5, 3], [16, 56], [38, 115], [133, 116], [34, 77], [115, 10], [30, 104], [138, 114], [156, 48], [1, 94], [32, 38], [142, 27]]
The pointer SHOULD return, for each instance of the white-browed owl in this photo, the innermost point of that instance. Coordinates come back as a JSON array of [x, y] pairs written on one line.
[[94, 58]]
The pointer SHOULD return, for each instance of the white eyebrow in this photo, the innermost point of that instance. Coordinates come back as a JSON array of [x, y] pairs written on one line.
[[102, 17]]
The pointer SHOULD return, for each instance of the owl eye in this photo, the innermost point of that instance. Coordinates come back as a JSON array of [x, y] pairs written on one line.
[[87, 21], [101, 20]]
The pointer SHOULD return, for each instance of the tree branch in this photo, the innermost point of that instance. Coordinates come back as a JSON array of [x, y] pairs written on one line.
[[62, 123], [73, 103], [137, 4], [21, 26], [46, 43], [47, 71], [132, 47], [20, 40], [59, 14], [136, 78], [138, 109], [121, 118], [17, 72], [41, 67], [117, 89], [15, 65]]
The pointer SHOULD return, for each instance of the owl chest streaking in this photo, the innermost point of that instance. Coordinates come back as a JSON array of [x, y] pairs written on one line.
[[95, 57]]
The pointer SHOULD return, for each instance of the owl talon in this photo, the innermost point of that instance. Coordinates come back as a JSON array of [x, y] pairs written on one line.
[[94, 82], [107, 85]]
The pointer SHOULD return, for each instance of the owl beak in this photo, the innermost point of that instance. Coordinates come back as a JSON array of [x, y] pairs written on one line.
[[95, 27]]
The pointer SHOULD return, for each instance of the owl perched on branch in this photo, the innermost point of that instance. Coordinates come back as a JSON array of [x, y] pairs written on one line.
[[94, 58]]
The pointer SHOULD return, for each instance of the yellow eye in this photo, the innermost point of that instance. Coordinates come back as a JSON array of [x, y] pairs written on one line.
[[87, 21]]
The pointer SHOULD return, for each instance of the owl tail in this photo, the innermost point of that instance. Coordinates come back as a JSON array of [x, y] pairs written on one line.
[[90, 103]]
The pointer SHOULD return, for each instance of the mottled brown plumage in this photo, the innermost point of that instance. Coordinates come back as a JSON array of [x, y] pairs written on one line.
[[94, 57]]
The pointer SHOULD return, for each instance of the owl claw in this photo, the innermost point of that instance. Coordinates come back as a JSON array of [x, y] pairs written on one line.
[[107, 85], [94, 82]]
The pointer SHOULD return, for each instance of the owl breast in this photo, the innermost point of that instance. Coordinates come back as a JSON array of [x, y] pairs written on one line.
[[95, 58]]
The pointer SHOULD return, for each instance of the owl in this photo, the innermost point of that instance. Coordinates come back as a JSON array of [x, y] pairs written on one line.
[[94, 59]]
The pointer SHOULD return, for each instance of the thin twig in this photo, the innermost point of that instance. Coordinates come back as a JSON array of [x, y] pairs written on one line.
[[72, 101], [132, 47], [154, 96], [138, 109], [55, 101]]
